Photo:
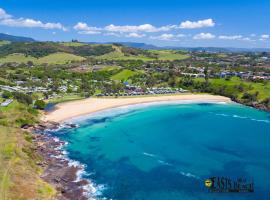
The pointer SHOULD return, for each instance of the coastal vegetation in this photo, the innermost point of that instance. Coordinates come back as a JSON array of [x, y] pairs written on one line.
[[19, 172]]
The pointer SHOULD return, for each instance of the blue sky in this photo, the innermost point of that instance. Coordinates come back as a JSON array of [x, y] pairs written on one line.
[[222, 23]]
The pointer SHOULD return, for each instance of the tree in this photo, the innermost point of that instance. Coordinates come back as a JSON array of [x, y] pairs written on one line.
[[206, 76], [30, 63], [6, 94], [266, 102], [23, 98], [40, 104]]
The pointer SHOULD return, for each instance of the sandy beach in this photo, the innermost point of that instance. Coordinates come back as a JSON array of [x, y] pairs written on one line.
[[68, 110]]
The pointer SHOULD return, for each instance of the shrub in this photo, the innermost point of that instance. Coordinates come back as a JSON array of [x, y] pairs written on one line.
[[23, 98], [40, 104], [6, 94]]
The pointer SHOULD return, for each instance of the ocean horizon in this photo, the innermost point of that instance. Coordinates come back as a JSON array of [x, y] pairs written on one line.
[[167, 150]]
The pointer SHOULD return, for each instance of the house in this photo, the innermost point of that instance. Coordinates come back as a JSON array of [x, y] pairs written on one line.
[[7, 102]]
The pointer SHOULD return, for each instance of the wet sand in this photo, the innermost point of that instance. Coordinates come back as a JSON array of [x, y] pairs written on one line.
[[68, 110]]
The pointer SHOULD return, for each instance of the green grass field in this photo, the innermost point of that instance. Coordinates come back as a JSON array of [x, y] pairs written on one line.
[[110, 68], [73, 44], [55, 58], [65, 98], [118, 55], [18, 58], [59, 58], [124, 75], [170, 55], [3, 42], [250, 87], [162, 55]]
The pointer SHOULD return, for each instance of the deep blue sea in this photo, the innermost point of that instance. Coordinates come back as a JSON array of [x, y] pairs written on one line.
[[165, 152]]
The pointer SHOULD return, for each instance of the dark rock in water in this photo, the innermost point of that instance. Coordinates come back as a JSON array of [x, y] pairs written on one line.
[[47, 125], [57, 168], [70, 125]]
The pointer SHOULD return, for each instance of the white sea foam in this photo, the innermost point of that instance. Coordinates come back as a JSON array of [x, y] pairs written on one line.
[[149, 154], [190, 175], [164, 163], [222, 114], [243, 117], [111, 112], [91, 190]]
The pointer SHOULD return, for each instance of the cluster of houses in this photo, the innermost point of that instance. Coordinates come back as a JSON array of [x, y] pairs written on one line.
[[18, 88], [131, 90], [227, 74], [244, 75]]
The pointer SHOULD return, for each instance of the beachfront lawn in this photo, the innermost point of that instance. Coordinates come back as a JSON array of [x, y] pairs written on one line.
[[65, 98]]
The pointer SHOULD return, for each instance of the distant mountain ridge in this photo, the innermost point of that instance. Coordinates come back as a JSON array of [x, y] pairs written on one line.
[[207, 49], [145, 46], [13, 38]]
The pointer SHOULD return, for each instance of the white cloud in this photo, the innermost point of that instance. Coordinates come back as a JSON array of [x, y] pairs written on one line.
[[164, 36], [112, 34], [140, 28], [168, 37], [198, 24], [3, 14], [247, 39], [204, 36], [127, 28], [265, 36], [83, 28], [135, 35], [143, 28], [230, 37], [8, 20]]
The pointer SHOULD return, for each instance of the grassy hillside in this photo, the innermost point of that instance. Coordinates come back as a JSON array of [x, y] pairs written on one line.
[[72, 44], [19, 174], [126, 53], [60, 53], [3, 42], [170, 55], [41, 49], [54, 58], [118, 54], [124, 75], [234, 83], [59, 58], [18, 58]]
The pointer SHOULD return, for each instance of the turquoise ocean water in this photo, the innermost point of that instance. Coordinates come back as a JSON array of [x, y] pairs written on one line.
[[165, 152]]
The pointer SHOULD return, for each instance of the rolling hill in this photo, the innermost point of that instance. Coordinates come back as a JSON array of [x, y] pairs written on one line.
[[13, 38]]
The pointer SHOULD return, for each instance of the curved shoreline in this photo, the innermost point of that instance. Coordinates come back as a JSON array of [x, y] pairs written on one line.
[[69, 110]]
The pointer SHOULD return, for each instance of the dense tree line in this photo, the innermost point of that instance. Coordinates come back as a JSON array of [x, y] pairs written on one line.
[[40, 49]]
